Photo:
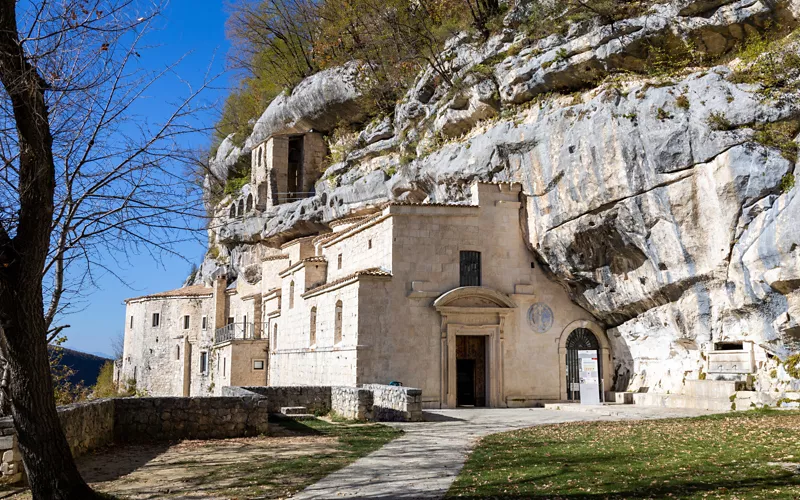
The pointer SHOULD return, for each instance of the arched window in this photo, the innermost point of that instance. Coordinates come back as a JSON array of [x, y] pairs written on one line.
[[312, 327], [275, 338], [258, 153], [337, 329], [249, 202], [232, 213], [240, 212], [291, 295]]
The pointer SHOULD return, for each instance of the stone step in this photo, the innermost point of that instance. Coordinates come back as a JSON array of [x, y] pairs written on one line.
[[718, 389], [683, 401], [294, 410], [294, 416], [605, 409]]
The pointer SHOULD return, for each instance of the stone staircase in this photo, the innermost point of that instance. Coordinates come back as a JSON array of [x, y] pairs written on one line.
[[295, 413]]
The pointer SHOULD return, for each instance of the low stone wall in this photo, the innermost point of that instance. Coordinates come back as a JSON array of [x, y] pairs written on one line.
[[379, 403], [395, 403], [87, 426], [353, 403], [160, 419], [94, 424], [317, 399]]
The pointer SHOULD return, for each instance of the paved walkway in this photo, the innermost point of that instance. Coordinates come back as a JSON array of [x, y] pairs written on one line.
[[425, 461]]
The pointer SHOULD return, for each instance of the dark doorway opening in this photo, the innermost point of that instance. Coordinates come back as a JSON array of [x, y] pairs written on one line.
[[580, 339], [295, 181], [471, 371]]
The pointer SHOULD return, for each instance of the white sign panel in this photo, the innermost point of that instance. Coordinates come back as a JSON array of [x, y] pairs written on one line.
[[590, 377]]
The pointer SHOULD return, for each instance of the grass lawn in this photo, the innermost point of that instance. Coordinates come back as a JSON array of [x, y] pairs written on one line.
[[754, 454]]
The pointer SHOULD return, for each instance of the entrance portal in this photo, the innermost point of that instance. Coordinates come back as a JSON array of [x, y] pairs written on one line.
[[580, 339], [470, 370]]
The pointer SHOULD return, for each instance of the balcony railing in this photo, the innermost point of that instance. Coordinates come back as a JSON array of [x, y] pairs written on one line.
[[234, 331]]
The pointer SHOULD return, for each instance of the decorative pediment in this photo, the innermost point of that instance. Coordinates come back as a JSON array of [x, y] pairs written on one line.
[[474, 297]]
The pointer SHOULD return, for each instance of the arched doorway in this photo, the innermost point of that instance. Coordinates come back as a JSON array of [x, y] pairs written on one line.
[[474, 321], [580, 339]]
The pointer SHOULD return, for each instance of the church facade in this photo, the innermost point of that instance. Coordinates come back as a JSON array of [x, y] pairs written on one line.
[[446, 298]]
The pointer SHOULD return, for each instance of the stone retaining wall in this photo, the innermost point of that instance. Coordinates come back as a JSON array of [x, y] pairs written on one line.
[[159, 419], [94, 424], [317, 399], [353, 403], [395, 403], [379, 403], [88, 426]]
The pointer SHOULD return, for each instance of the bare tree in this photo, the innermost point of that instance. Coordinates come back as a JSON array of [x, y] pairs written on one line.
[[82, 176]]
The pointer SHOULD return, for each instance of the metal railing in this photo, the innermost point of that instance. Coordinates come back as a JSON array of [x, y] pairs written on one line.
[[234, 331]]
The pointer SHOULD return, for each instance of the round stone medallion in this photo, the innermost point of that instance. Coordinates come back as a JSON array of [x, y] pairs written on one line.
[[540, 317]]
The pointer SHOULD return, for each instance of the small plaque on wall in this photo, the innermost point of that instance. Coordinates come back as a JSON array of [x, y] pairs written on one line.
[[540, 317]]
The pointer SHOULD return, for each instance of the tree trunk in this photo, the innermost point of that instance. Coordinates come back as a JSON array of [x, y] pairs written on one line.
[[23, 251], [48, 461]]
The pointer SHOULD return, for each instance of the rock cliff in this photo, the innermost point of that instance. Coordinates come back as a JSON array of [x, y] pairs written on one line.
[[657, 169]]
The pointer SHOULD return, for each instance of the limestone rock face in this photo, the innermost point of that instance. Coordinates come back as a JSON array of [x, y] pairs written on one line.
[[674, 232], [320, 102]]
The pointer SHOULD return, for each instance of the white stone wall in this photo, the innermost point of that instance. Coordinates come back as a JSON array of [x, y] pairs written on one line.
[[295, 362], [401, 335], [356, 252], [156, 356]]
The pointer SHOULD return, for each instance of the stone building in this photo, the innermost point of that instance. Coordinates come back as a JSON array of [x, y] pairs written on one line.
[[444, 297]]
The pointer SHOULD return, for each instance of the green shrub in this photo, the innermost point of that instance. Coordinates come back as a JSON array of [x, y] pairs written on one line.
[[718, 121], [104, 387], [780, 135], [792, 365], [682, 102], [787, 183]]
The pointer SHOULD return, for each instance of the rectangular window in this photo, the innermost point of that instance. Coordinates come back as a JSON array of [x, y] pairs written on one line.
[[258, 364], [470, 268], [203, 362], [339, 261], [230, 320], [369, 244], [131, 321], [156, 319], [186, 322], [204, 322], [223, 365]]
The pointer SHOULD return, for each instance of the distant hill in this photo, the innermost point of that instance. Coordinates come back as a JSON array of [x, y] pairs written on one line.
[[86, 366]]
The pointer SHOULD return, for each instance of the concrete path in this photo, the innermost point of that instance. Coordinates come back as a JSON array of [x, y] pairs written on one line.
[[425, 461]]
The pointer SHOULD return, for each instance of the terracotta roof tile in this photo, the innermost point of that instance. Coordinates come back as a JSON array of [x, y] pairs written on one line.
[[187, 291], [375, 271]]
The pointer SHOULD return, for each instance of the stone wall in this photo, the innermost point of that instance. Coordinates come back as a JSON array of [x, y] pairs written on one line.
[[394, 403], [87, 426], [156, 419], [92, 425], [375, 402], [317, 399], [352, 403]]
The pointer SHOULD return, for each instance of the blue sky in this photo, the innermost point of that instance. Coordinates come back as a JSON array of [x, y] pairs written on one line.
[[193, 30]]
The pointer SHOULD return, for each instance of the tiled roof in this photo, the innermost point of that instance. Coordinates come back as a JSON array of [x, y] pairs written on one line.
[[415, 204], [316, 258], [187, 291], [274, 257], [298, 240], [375, 271], [354, 227], [348, 220]]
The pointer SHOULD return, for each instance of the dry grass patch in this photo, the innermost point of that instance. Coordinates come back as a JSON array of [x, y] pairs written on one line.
[[293, 456]]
